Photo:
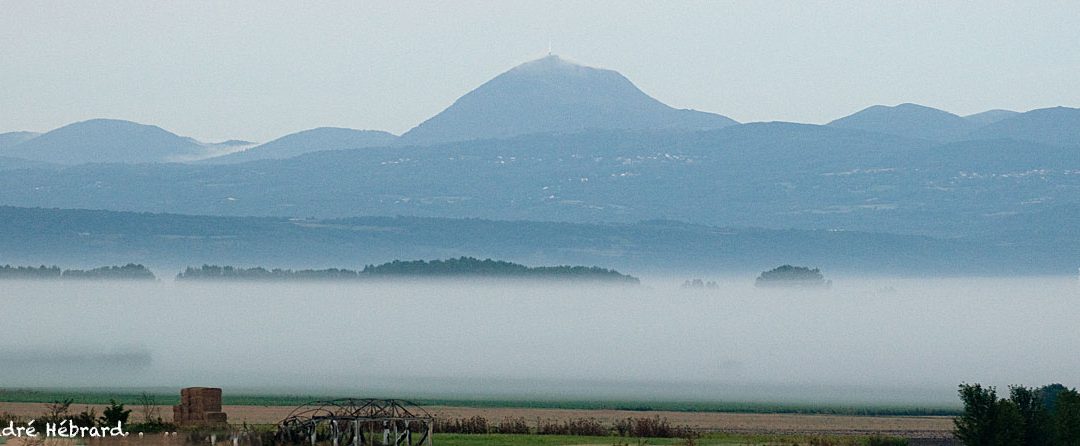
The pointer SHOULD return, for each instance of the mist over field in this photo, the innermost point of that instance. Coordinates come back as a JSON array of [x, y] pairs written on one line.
[[867, 340]]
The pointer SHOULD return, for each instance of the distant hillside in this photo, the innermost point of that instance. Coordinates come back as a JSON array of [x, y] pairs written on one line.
[[989, 117], [233, 143], [908, 120], [12, 138], [313, 140], [776, 175], [1058, 126], [170, 241], [106, 141], [7, 163], [551, 95]]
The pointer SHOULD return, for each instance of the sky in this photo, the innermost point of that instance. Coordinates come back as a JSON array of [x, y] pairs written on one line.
[[257, 70]]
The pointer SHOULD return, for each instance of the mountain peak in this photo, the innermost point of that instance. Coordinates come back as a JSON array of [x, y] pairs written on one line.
[[553, 95], [550, 59], [551, 62]]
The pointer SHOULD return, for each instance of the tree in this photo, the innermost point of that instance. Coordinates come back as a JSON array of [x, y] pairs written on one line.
[[975, 427], [1008, 425], [1067, 418], [1036, 419], [114, 414], [1049, 395], [58, 409], [1026, 418], [149, 407], [86, 418]]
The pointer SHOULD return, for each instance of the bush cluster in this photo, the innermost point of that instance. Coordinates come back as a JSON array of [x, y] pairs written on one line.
[[574, 426], [471, 425], [654, 427]]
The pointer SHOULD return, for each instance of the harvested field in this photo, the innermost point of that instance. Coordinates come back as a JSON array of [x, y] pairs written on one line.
[[925, 427]]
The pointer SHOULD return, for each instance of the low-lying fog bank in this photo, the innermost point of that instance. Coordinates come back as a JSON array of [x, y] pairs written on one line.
[[881, 341]]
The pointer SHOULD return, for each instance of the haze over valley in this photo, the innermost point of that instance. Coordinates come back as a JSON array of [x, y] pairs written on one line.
[[869, 341]]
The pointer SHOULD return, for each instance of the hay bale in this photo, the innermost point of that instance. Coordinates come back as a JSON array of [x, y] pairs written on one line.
[[198, 406]]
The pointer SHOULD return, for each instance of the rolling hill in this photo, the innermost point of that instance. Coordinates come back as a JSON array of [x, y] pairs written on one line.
[[908, 120], [313, 140], [106, 141], [10, 139], [1058, 126], [989, 117]]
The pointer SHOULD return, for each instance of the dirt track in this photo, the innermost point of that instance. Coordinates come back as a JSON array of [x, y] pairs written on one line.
[[912, 427]]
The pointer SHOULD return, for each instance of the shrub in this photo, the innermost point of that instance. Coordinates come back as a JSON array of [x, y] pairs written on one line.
[[114, 414], [472, 425], [881, 440], [512, 426], [574, 426], [656, 427]]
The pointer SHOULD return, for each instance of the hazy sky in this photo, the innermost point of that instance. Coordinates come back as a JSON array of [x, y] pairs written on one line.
[[259, 69]]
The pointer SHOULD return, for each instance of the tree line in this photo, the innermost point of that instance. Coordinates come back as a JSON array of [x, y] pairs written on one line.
[[1044, 416], [788, 275], [459, 267], [131, 271]]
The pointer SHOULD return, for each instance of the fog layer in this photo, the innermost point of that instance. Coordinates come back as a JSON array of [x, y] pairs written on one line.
[[900, 341]]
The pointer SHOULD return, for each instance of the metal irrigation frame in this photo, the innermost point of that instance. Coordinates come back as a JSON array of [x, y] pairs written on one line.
[[356, 422]]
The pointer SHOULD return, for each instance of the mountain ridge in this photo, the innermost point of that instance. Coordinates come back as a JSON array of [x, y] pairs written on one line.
[[767, 175]]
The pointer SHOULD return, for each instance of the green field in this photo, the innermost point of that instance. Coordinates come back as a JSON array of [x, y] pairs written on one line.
[[130, 397]]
